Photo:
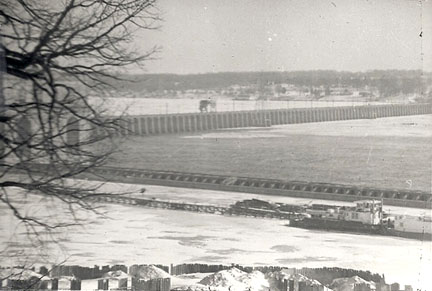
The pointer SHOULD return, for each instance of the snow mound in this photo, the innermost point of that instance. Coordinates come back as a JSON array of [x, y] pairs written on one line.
[[274, 279], [188, 280], [285, 275], [150, 273], [302, 278], [347, 284], [194, 287], [116, 275], [234, 279]]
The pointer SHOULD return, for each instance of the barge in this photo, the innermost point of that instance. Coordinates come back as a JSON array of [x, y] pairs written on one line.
[[356, 227], [367, 217]]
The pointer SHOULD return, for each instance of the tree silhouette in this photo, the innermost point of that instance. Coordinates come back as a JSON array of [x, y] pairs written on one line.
[[53, 55]]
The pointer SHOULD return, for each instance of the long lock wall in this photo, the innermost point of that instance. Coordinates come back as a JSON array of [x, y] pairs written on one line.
[[195, 122]]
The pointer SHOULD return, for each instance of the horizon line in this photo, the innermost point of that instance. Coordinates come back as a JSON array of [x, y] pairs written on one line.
[[291, 71]]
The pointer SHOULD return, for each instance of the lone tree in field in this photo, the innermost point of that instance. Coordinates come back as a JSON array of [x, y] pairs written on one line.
[[53, 53]]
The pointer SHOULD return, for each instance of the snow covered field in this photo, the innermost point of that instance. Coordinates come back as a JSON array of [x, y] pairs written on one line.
[[129, 235]]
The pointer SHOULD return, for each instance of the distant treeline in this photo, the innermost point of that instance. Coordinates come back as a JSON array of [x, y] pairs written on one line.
[[387, 82]]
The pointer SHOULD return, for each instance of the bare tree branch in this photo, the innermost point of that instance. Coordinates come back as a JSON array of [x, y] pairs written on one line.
[[53, 54]]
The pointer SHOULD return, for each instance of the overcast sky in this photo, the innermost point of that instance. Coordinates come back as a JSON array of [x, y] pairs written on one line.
[[199, 36]]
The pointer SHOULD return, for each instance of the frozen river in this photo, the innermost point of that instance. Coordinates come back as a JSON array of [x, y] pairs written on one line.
[[130, 234], [144, 106], [226, 198]]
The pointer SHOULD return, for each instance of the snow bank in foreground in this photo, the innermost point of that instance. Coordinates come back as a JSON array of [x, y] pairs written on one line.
[[116, 275], [347, 284], [234, 279], [150, 272]]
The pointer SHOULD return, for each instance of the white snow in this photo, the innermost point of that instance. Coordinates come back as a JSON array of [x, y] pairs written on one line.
[[347, 284], [150, 273], [300, 278], [117, 275], [234, 279], [401, 126], [142, 106], [136, 235]]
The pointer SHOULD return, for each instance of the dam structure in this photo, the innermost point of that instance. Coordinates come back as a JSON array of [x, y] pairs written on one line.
[[147, 125], [143, 125]]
